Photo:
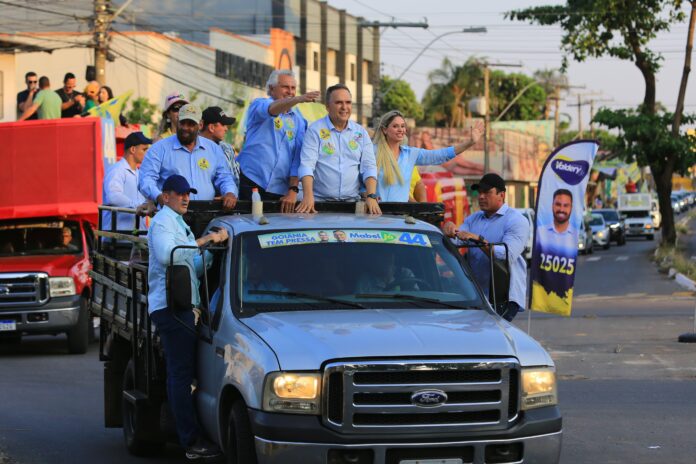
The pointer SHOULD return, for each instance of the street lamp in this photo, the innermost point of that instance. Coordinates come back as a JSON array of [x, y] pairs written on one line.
[[463, 31]]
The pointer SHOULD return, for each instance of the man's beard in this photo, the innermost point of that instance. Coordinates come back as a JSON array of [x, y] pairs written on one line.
[[186, 137]]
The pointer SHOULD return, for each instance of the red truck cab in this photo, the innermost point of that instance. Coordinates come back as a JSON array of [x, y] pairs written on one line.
[[53, 178]]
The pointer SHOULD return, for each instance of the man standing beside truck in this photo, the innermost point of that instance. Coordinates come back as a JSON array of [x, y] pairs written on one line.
[[168, 230], [496, 222], [201, 161]]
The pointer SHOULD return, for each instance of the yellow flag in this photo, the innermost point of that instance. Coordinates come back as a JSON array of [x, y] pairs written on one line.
[[312, 111], [114, 106]]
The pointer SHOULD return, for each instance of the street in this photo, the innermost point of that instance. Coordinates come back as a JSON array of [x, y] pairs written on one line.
[[627, 388]]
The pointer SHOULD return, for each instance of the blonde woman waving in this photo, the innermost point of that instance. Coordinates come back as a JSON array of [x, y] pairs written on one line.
[[396, 160]]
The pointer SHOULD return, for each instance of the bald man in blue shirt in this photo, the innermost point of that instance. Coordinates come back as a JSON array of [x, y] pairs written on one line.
[[336, 154]]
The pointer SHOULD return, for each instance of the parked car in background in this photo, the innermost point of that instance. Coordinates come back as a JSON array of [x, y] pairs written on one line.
[[585, 238], [617, 227], [600, 231], [529, 214]]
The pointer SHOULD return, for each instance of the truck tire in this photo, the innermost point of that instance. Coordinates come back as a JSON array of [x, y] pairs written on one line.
[[622, 240], [78, 336], [240, 441], [140, 425]]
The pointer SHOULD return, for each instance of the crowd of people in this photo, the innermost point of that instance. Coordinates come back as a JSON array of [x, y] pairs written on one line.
[[331, 159], [39, 101]]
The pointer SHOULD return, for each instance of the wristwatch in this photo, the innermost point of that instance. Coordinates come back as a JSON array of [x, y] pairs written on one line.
[[372, 195], [294, 188]]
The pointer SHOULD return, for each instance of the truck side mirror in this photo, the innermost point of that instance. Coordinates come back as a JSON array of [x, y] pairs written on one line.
[[499, 290], [178, 280]]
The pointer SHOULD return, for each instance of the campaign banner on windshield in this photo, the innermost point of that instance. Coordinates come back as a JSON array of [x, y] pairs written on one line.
[[308, 237], [559, 215]]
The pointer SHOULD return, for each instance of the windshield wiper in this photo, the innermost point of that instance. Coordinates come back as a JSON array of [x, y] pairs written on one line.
[[307, 295], [405, 296]]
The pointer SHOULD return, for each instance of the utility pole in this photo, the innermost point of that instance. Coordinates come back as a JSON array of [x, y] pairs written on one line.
[[592, 113], [487, 115], [580, 104], [375, 71], [557, 112], [102, 23]]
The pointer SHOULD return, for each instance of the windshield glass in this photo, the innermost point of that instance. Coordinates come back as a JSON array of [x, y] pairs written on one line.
[[609, 215], [345, 269], [19, 238], [596, 221]]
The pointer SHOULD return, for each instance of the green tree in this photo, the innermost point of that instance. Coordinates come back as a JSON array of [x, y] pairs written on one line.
[[623, 29], [530, 97], [401, 97], [141, 111]]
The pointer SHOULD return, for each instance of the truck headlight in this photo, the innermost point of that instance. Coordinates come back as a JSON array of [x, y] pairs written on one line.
[[648, 226], [293, 392], [61, 286], [538, 388]]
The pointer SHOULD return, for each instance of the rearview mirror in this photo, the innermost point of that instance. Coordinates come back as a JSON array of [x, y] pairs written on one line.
[[178, 288]]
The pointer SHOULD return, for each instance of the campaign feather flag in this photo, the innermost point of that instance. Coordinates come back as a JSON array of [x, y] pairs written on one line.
[[560, 208]]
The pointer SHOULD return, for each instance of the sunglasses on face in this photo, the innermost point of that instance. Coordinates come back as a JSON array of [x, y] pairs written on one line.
[[32, 82], [175, 109]]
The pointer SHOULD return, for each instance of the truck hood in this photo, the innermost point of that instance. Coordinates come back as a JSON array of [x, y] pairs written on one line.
[[53, 265], [305, 340]]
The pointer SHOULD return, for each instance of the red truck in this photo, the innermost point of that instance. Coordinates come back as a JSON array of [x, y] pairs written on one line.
[[51, 179]]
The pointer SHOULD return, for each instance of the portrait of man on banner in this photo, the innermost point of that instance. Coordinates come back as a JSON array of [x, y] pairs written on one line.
[[559, 218]]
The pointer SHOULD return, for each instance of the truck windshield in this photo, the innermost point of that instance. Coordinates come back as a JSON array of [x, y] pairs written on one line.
[[609, 216], [21, 237], [346, 269]]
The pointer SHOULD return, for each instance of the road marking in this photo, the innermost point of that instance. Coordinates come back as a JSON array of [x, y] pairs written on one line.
[[622, 258], [594, 258], [634, 295], [683, 293]]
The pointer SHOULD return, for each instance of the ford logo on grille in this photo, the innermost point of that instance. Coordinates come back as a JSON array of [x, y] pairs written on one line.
[[429, 398], [4, 290]]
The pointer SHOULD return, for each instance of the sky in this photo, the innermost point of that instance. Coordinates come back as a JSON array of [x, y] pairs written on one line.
[[618, 83]]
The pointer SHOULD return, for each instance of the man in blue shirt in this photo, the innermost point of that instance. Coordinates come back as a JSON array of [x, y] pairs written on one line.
[[121, 182], [199, 160], [496, 222], [336, 154], [274, 133], [167, 231]]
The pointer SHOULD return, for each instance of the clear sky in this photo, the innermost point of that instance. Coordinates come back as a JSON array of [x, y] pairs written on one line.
[[535, 47]]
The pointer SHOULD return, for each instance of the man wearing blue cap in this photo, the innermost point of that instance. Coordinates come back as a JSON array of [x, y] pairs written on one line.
[[168, 230], [121, 182], [201, 161]]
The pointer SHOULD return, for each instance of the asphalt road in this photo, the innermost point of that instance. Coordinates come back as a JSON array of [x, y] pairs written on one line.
[[627, 388]]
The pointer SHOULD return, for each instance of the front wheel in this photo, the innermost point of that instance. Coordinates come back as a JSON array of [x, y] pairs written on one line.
[[607, 245], [79, 334], [240, 441]]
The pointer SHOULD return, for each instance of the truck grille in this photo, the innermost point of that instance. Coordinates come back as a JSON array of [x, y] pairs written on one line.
[[377, 396], [23, 289]]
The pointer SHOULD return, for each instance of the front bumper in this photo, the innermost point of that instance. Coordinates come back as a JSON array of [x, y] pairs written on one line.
[[600, 241], [281, 438], [58, 315], [639, 231]]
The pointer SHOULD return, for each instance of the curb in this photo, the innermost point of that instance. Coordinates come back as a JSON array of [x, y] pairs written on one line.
[[682, 280]]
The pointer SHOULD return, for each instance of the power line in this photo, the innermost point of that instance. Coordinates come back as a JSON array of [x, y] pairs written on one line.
[[42, 10]]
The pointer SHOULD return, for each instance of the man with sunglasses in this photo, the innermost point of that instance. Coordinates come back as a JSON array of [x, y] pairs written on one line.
[[496, 222], [25, 98]]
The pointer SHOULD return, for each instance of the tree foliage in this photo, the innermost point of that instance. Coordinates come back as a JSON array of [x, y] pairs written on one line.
[[623, 29], [451, 87], [401, 97], [141, 111]]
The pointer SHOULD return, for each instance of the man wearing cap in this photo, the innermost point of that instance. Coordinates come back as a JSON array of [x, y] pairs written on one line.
[[201, 161], [215, 124], [496, 222], [170, 115], [274, 134], [168, 230], [121, 182]]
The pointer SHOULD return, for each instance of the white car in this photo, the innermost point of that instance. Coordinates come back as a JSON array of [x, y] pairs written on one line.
[[600, 231]]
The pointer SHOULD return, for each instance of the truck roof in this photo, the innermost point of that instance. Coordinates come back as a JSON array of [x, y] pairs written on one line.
[[240, 223]]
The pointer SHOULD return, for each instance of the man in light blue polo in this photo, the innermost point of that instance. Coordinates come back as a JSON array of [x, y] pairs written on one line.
[[201, 161], [336, 154], [167, 231], [121, 182], [274, 133], [496, 222]]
